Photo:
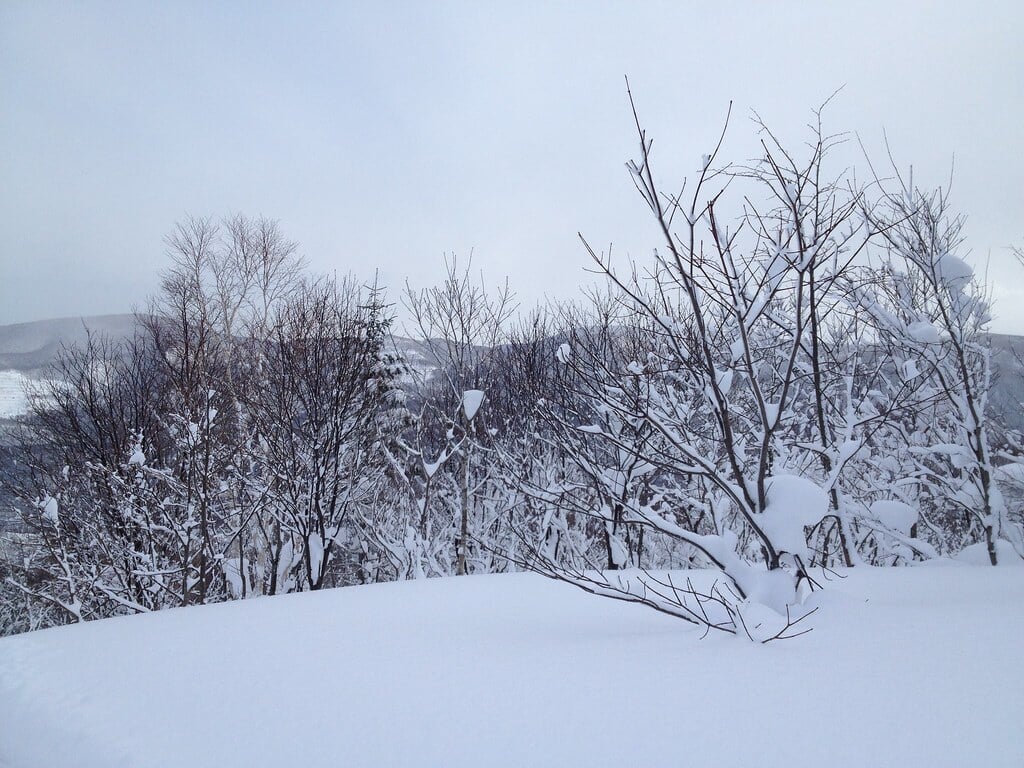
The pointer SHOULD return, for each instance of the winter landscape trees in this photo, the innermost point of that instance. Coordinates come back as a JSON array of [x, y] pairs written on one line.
[[796, 380]]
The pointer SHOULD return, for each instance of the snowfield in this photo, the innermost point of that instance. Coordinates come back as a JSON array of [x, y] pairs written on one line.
[[13, 400], [906, 667]]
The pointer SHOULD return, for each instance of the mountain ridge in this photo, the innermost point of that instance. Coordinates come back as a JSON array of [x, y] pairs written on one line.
[[29, 348]]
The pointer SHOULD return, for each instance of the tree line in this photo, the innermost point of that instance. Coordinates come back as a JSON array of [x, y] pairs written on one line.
[[797, 379]]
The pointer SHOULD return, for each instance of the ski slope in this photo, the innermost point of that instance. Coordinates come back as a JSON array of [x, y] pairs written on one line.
[[906, 667]]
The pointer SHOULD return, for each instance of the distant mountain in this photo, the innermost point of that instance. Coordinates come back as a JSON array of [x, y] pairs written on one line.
[[27, 349], [1007, 396], [30, 347]]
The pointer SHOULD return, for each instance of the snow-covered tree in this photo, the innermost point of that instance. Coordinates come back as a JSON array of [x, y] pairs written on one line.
[[711, 412], [218, 453], [933, 313], [321, 417], [460, 325]]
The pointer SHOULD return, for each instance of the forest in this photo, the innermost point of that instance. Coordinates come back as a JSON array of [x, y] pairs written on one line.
[[796, 380]]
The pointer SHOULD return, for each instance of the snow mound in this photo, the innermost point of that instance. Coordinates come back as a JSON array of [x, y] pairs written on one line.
[[977, 554], [895, 515], [793, 503], [908, 667]]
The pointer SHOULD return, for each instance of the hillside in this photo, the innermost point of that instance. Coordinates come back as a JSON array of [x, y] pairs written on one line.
[[1008, 387], [26, 349], [906, 666], [30, 347]]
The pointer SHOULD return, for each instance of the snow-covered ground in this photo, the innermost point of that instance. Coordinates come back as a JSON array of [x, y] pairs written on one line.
[[13, 401], [906, 667]]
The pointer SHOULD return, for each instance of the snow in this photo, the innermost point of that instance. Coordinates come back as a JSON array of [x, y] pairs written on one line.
[[924, 332], [910, 369], [316, 552], [619, 553], [233, 574], [793, 503], [1012, 473], [471, 400], [49, 508], [977, 554], [724, 379], [908, 667], [894, 515], [737, 350], [954, 271], [13, 400]]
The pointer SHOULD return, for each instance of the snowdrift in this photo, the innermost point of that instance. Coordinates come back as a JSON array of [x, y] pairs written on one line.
[[909, 667]]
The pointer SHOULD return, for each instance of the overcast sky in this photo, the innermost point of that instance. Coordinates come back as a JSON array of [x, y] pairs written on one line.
[[385, 135]]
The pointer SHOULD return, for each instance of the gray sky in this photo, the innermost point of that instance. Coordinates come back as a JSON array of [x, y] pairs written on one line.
[[385, 135]]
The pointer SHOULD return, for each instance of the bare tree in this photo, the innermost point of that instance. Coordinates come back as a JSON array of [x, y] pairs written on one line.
[[460, 324], [321, 414], [710, 410], [936, 314]]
